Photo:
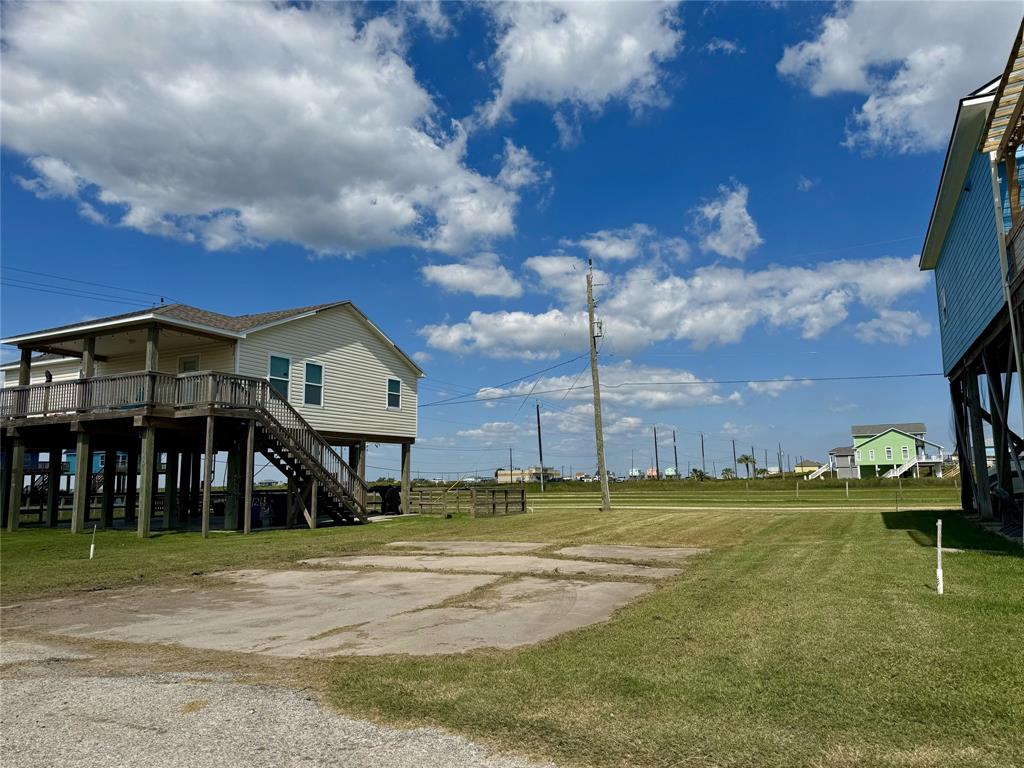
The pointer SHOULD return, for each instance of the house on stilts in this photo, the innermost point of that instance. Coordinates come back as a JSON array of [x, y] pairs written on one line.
[[975, 247], [159, 392]]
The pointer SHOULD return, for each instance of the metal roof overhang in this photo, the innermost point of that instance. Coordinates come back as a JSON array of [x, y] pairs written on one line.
[[967, 129]]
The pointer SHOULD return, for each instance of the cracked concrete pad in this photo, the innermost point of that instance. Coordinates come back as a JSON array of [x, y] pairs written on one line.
[[521, 612], [468, 547], [630, 552], [279, 613], [503, 564]]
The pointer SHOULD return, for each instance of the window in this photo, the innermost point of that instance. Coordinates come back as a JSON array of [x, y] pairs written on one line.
[[188, 364], [943, 311], [871, 455], [888, 452], [314, 385], [394, 393], [279, 369], [906, 453], [858, 454]]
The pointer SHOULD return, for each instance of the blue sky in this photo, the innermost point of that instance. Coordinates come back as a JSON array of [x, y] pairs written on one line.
[[752, 180]]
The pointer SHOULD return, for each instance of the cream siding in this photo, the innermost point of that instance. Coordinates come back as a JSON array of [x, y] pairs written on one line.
[[213, 356], [62, 370], [357, 364]]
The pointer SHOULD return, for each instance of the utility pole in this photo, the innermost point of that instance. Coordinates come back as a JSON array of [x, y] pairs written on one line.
[[703, 463], [540, 450], [675, 454], [766, 462], [632, 463], [510, 466], [657, 464], [735, 470], [606, 502]]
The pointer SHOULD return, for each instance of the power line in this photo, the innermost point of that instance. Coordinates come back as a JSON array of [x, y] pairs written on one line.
[[690, 382], [28, 286], [511, 381], [82, 282]]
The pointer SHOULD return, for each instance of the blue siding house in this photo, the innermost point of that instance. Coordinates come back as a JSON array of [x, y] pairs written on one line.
[[973, 235]]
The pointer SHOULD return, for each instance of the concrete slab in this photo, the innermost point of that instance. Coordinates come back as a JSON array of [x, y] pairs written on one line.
[[521, 612], [468, 547], [503, 564], [630, 552], [279, 613]]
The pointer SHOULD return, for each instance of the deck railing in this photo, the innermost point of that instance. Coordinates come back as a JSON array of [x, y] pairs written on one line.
[[206, 389]]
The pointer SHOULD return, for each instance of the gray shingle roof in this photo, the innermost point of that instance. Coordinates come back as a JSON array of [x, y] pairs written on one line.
[[205, 317], [843, 450], [870, 430]]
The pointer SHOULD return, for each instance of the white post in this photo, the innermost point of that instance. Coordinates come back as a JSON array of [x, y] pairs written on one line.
[[938, 552], [847, 489], [92, 544], [798, 489]]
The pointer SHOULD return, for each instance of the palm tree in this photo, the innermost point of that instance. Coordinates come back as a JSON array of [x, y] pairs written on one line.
[[747, 460], [762, 472], [728, 474], [696, 474]]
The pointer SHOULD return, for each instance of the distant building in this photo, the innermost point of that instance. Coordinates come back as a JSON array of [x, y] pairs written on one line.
[[894, 450], [806, 467], [842, 463], [528, 475]]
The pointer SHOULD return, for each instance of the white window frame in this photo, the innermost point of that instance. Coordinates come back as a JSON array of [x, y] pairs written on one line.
[[905, 450], [198, 359], [943, 307], [388, 393], [857, 452], [322, 384], [888, 453], [288, 381], [871, 454]]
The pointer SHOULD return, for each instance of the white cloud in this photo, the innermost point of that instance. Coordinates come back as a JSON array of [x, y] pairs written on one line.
[[431, 15], [629, 243], [912, 61], [482, 275], [804, 184], [776, 388], [495, 432], [713, 305], [893, 326], [583, 54], [278, 123], [422, 356], [521, 169], [721, 45], [627, 384], [728, 228]]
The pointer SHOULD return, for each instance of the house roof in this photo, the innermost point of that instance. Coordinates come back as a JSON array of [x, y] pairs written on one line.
[[870, 430], [843, 450], [971, 115], [207, 321]]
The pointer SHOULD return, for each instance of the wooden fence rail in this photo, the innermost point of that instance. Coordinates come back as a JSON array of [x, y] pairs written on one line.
[[495, 502]]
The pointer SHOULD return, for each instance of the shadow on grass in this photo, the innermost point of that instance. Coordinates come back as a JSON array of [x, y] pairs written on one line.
[[957, 532]]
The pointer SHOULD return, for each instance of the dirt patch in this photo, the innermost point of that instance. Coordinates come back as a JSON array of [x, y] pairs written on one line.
[[629, 552], [468, 547], [503, 564]]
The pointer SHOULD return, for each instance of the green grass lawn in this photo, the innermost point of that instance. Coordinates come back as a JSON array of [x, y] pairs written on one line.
[[806, 637]]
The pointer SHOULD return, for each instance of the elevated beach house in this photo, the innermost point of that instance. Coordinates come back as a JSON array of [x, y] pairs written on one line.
[[307, 388], [975, 249]]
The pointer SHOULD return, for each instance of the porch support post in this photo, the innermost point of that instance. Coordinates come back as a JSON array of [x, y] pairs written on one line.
[[147, 480], [131, 479], [207, 475], [981, 491], [109, 466], [171, 501], [83, 483], [314, 491], [185, 494], [406, 475], [5, 475], [25, 368], [963, 449], [53, 487], [152, 349], [361, 464], [195, 484], [233, 483], [17, 483], [250, 446]]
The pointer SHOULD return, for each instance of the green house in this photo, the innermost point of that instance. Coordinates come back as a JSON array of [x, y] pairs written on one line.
[[894, 450]]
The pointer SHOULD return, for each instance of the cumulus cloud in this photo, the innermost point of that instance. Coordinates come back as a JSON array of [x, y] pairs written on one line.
[[727, 227], [495, 432], [804, 184], [581, 54], [161, 118], [482, 275], [776, 388], [521, 169], [721, 45], [628, 384], [893, 326], [912, 61], [713, 305]]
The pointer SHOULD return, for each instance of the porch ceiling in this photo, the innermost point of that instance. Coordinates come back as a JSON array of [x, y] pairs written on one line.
[[119, 340]]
